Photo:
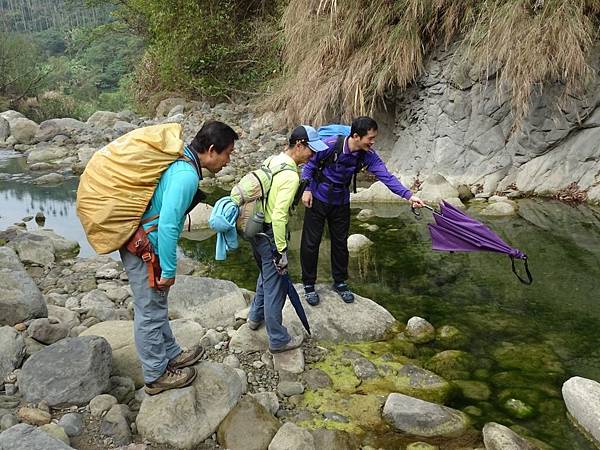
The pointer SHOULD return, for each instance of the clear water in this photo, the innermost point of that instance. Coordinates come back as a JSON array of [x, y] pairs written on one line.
[[550, 328]]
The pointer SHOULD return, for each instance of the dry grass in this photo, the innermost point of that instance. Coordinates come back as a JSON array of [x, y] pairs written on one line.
[[342, 56]]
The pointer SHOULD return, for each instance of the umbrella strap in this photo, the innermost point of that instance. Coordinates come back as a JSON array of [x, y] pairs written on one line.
[[529, 277]]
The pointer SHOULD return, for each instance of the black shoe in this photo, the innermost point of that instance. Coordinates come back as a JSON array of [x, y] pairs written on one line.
[[310, 295], [344, 291]]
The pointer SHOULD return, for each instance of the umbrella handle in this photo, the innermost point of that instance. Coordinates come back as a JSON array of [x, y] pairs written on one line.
[[529, 279], [418, 213]]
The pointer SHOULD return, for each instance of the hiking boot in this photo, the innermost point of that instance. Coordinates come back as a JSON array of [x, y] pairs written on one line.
[[295, 342], [310, 295], [344, 291], [253, 324], [171, 379], [187, 357]]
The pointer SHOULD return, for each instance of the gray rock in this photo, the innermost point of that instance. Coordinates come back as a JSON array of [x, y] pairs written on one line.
[[114, 425], [185, 417], [291, 361], [122, 388], [208, 301], [198, 217], [168, 104], [50, 178], [33, 249], [67, 317], [97, 304], [122, 127], [24, 130], [47, 330], [376, 193], [291, 436], [268, 399], [125, 360], [4, 129], [110, 270], [582, 397], [358, 243], [336, 321], [103, 119], [72, 423], [316, 379], [365, 214], [248, 426], [243, 378], [334, 440], [231, 361], [45, 153], [500, 209], [246, 340], [420, 418], [20, 298], [499, 437], [56, 431], [7, 421], [101, 404], [53, 127], [31, 438], [419, 331], [86, 359], [289, 388], [12, 351], [364, 369]]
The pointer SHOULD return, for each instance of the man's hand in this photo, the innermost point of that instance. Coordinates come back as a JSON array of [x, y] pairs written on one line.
[[164, 283], [281, 261], [307, 198], [416, 202]]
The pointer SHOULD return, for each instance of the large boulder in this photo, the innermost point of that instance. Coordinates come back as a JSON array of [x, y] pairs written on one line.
[[24, 130], [12, 350], [103, 119], [125, 360], [420, 418], [63, 248], [70, 372], [197, 219], [33, 249], [249, 426], [20, 298], [499, 437], [336, 321], [582, 397], [183, 418], [50, 128], [436, 188], [31, 438], [46, 153], [208, 301], [358, 243], [166, 105]]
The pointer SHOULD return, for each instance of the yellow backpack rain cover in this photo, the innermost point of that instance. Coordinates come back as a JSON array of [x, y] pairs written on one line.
[[119, 180]]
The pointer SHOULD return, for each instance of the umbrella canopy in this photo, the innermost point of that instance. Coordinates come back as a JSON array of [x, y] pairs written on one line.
[[454, 231]]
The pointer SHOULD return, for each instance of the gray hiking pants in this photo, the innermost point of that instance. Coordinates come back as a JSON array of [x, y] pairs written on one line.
[[154, 340]]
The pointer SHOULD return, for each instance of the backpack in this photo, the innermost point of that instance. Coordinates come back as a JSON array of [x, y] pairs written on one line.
[[119, 181], [251, 194], [341, 131]]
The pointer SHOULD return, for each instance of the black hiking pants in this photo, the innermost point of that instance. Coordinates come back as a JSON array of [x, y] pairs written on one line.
[[338, 222]]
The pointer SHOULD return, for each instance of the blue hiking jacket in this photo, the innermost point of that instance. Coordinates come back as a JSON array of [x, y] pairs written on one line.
[[222, 220], [171, 199]]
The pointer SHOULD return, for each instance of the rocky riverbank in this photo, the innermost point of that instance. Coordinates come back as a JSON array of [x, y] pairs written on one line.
[[71, 378]]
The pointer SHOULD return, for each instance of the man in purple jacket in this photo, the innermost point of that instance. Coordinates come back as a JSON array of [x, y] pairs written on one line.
[[327, 198]]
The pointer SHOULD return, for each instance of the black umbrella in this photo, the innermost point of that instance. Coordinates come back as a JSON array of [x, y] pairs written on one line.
[[296, 303]]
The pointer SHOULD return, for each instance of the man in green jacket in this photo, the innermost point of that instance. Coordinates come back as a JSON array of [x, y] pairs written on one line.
[[270, 247]]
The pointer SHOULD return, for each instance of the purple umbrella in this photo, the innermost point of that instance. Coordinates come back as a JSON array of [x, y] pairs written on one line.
[[454, 231]]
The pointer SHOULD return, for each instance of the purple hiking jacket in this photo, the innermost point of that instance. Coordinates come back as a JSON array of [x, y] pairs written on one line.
[[342, 171]]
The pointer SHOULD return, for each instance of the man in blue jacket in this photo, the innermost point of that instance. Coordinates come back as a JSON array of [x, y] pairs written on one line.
[[327, 198], [165, 365]]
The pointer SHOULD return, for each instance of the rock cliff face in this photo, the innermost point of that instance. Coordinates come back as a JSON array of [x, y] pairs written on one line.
[[456, 122]]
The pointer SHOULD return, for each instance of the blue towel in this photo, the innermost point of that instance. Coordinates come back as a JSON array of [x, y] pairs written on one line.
[[222, 220]]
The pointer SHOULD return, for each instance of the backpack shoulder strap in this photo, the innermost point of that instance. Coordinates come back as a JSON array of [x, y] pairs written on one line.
[[332, 157]]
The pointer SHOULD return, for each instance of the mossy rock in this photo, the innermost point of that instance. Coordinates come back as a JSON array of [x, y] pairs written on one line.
[[402, 346], [420, 383], [421, 446], [450, 337], [473, 411], [451, 364], [517, 408], [529, 396], [363, 411], [514, 379], [474, 390], [536, 358]]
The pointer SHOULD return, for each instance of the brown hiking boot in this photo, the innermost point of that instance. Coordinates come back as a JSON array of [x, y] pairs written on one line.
[[187, 357], [171, 379]]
